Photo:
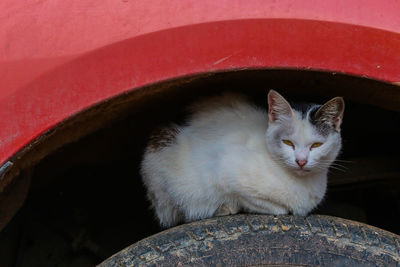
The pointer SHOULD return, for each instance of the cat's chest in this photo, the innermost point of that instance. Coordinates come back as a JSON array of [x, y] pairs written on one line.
[[262, 176]]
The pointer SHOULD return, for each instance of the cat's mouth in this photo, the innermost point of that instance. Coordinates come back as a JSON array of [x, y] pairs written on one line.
[[302, 171]]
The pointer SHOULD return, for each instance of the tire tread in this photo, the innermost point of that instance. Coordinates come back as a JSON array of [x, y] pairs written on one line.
[[199, 236]]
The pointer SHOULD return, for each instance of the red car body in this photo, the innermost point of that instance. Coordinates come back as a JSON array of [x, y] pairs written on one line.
[[58, 58]]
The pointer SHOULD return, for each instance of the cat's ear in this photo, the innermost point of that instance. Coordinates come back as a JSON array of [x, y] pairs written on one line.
[[278, 107], [331, 113]]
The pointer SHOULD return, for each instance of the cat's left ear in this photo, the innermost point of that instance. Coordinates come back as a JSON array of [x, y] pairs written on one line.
[[331, 113]]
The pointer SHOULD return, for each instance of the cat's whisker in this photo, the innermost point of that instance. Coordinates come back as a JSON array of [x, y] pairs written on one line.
[[330, 170], [342, 160], [330, 163], [335, 168], [335, 161], [338, 165]]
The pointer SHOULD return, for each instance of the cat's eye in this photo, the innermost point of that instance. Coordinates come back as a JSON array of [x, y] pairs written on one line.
[[287, 142], [315, 145]]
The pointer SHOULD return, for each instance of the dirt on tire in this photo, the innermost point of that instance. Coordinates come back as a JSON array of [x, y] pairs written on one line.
[[265, 240]]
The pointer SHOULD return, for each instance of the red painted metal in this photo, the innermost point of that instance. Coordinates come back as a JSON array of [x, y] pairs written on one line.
[[58, 58]]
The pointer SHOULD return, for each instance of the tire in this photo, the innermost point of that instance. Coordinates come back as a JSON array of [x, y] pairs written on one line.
[[264, 240]]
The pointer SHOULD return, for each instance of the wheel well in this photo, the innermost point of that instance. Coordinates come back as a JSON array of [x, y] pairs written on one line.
[[93, 157]]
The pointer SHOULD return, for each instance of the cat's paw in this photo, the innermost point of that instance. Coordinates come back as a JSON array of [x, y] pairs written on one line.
[[224, 210]]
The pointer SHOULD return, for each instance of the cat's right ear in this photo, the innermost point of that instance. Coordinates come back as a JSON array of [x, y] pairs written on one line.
[[278, 108]]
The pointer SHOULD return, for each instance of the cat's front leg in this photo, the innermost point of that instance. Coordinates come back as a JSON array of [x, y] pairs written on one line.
[[226, 209], [263, 206]]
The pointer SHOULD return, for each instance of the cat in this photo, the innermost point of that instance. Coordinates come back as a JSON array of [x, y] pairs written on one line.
[[232, 156]]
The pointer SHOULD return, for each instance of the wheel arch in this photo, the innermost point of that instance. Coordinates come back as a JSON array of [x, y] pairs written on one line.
[[97, 83]]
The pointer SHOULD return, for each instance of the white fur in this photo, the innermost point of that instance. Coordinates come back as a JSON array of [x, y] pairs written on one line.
[[225, 160]]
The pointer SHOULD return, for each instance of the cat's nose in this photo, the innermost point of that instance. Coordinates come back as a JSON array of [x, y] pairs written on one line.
[[301, 162]]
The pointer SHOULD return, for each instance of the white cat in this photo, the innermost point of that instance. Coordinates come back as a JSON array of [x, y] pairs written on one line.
[[232, 156]]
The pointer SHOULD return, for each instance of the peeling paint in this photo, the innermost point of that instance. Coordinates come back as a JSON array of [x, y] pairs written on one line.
[[396, 83], [4, 168], [222, 60]]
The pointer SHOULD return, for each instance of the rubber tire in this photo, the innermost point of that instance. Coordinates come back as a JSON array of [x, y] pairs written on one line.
[[254, 240]]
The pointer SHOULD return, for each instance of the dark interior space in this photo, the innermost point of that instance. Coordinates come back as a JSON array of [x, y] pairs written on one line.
[[87, 202]]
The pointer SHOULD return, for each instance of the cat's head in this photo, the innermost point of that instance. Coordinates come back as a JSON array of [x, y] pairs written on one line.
[[306, 138]]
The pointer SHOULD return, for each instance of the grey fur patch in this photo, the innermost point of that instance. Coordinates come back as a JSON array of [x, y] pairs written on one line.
[[162, 137], [302, 108], [322, 127], [309, 111], [328, 117]]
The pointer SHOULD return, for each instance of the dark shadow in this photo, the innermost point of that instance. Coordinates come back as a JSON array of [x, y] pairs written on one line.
[[87, 202]]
